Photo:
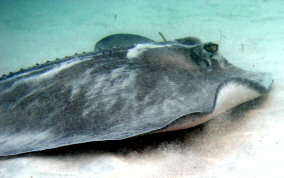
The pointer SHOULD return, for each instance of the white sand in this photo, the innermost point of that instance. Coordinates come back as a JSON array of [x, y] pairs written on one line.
[[251, 36]]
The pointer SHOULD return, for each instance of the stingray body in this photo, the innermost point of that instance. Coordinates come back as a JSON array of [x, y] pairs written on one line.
[[131, 86]]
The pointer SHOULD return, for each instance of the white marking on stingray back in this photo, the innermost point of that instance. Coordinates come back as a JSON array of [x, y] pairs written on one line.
[[109, 86], [78, 84], [56, 69], [44, 75], [140, 48], [228, 97]]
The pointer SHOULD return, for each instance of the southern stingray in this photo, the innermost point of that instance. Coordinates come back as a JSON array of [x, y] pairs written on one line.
[[128, 86]]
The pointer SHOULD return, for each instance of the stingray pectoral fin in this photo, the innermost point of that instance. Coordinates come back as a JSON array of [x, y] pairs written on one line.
[[121, 41], [228, 96]]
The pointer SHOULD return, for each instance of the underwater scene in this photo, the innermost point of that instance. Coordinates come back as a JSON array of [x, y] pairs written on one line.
[[140, 88]]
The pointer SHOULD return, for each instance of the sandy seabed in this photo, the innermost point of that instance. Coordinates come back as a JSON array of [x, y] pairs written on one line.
[[241, 143]]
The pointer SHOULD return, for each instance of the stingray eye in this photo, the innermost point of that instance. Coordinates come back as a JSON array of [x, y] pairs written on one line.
[[211, 47]]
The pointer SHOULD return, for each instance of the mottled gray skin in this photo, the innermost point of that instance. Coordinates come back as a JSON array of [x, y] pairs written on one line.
[[103, 95]]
